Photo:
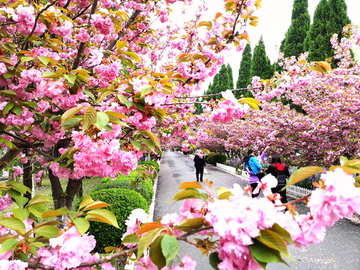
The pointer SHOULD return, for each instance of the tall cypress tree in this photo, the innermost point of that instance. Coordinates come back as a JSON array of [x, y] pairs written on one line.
[[329, 18], [223, 82], [231, 79], [339, 11], [244, 72], [260, 63], [297, 32]]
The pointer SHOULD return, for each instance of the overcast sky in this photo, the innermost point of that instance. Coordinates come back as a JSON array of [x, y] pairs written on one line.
[[274, 20]]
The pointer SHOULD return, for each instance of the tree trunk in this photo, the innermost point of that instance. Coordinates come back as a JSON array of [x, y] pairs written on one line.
[[71, 190], [57, 191], [8, 157], [80, 191], [27, 177]]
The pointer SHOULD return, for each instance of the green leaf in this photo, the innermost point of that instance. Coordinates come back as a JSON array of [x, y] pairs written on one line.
[[120, 44], [71, 78], [190, 224], [70, 113], [153, 137], [146, 240], [49, 74], [21, 214], [37, 209], [8, 143], [8, 245], [39, 199], [214, 260], [105, 216], [13, 223], [280, 231], [88, 93], [71, 123], [274, 241], [14, 193], [47, 231], [18, 186], [85, 202], [156, 254], [82, 225], [146, 89], [26, 58], [139, 106], [8, 75], [116, 114], [136, 144], [101, 121], [148, 143], [303, 173], [18, 110], [8, 93], [54, 213], [31, 104], [8, 107], [21, 201], [44, 59], [264, 253], [131, 239], [89, 117], [186, 194], [169, 247]]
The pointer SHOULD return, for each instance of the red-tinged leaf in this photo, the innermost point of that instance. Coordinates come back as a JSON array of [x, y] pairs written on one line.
[[217, 15], [95, 205], [109, 249], [89, 117], [148, 227], [105, 216], [186, 185], [212, 41]]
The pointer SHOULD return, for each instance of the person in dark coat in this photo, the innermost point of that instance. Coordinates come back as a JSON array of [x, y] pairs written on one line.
[[277, 168], [199, 163]]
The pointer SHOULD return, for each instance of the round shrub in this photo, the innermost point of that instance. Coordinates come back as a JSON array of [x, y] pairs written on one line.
[[218, 158], [122, 202], [208, 159], [144, 188]]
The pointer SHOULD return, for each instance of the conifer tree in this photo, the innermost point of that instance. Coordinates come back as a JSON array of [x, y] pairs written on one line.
[[260, 63], [244, 72], [293, 44], [340, 18], [231, 79], [329, 18], [223, 81]]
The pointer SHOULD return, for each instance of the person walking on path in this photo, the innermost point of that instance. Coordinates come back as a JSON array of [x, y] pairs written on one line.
[[199, 163], [281, 173], [254, 169]]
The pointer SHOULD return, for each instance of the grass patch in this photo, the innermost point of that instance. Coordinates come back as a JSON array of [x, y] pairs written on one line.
[[89, 184]]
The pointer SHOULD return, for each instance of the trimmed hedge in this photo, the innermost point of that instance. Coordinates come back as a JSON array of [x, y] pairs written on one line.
[[144, 188], [132, 176], [152, 163], [218, 158], [208, 158], [122, 202]]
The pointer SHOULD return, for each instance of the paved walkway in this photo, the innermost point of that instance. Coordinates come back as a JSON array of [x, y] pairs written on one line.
[[339, 250]]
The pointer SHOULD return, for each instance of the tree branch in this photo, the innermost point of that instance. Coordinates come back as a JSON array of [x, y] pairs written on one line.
[[180, 103], [122, 33], [29, 144], [82, 44], [34, 265], [81, 13], [232, 90], [35, 24]]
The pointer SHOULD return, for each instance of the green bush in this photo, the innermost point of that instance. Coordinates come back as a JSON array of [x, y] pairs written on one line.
[[218, 158], [131, 176], [144, 188], [152, 163], [122, 202], [208, 158]]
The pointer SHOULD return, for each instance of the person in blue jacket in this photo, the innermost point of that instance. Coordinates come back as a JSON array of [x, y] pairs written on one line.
[[254, 169]]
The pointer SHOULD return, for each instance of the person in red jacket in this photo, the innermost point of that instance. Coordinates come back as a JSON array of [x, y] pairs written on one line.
[[281, 173]]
